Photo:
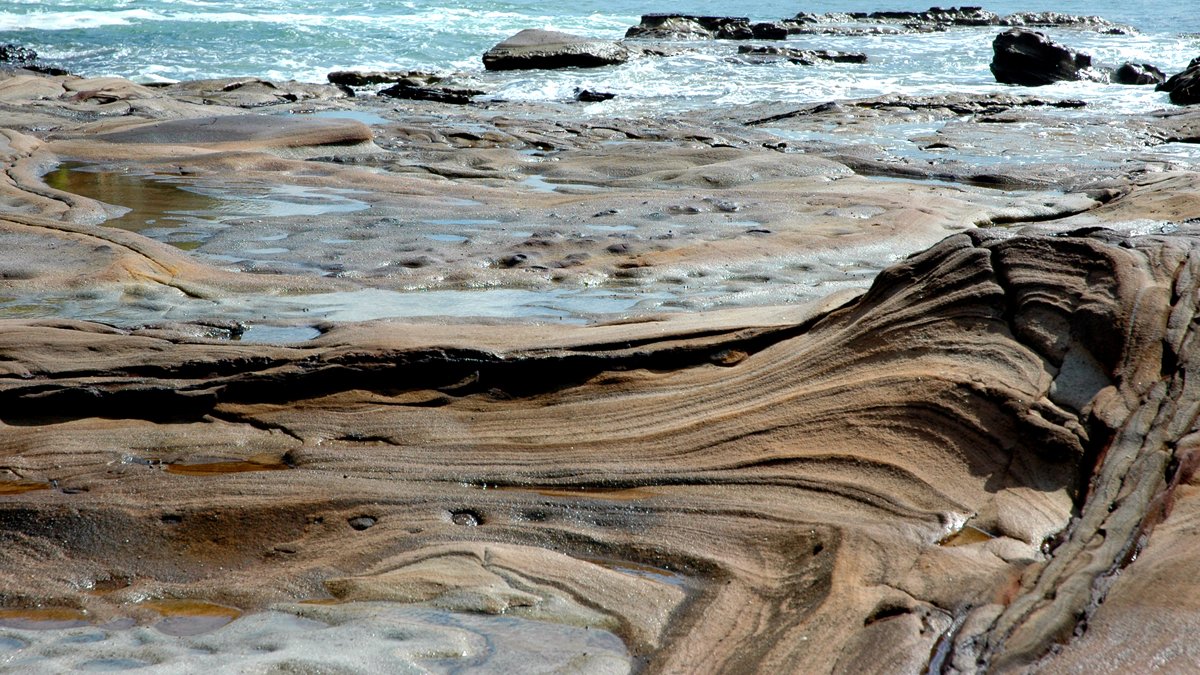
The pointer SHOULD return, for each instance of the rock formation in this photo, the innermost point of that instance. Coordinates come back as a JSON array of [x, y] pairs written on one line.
[[931, 427], [1138, 73], [541, 49], [937, 18], [804, 57], [1031, 59], [1184, 87], [691, 27], [996, 419]]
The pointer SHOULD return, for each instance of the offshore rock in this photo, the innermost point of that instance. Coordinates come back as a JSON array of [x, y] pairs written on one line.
[[693, 27], [953, 16], [1060, 20], [1184, 87], [415, 92], [804, 57], [17, 56], [1029, 58], [937, 19], [544, 50], [593, 96], [366, 78], [1138, 73]]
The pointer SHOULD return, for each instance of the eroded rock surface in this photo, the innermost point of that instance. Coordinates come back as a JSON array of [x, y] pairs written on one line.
[[543, 49], [975, 458], [992, 409]]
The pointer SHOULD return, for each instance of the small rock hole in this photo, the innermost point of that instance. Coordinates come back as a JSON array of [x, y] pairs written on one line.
[[362, 522], [465, 518]]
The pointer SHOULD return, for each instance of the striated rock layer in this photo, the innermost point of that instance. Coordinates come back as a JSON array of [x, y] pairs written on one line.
[[958, 470], [945, 473]]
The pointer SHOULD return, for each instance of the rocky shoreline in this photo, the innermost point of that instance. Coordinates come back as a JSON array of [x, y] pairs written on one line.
[[752, 388]]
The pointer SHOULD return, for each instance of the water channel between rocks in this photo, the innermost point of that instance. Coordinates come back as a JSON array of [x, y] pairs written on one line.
[[187, 213], [306, 637]]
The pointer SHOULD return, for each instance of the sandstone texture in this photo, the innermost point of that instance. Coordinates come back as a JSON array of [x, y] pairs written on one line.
[[543, 49], [770, 394]]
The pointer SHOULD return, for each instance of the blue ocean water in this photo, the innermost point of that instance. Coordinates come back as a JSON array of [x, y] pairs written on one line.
[[149, 40]]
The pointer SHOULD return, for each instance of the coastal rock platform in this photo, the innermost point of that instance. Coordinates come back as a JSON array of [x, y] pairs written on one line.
[[316, 383]]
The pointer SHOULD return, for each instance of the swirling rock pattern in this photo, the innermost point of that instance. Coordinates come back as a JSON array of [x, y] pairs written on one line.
[[946, 472]]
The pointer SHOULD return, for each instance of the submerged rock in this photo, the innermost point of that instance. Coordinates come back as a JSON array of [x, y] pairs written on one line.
[[953, 16], [591, 96], [1061, 20], [17, 56], [805, 57], [693, 27], [1031, 59], [1184, 87], [1138, 73], [937, 18], [543, 49]]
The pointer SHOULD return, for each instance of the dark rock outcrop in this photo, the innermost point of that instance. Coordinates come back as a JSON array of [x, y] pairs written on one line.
[[591, 96], [1138, 73], [804, 57], [1030, 58], [937, 18], [1184, 87], [16, 56], [366, 78], [542, 49], [1058, 19], [953, 16], [418, 92], [692, 27]]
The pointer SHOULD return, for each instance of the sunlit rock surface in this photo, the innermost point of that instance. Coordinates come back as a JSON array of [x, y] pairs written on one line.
[[918, 426]]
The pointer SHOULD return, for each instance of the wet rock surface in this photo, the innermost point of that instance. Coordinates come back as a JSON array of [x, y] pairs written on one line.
[[1184, 87], [693, 27], [543, 49], [937, 18], [1031, 59], [806, 57], [817, 394], [1138, 73]]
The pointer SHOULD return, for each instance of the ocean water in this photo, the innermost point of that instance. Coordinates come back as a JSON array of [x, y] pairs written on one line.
[[165, 40]]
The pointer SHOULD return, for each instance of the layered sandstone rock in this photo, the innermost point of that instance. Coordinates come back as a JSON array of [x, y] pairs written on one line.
[[543, 49], [953, 465], [983, 462]]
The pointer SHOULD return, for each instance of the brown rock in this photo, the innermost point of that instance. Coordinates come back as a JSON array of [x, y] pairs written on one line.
[[542, 49]]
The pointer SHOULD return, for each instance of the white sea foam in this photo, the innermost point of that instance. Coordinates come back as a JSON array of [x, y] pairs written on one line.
[[70, 20], [306, 39]]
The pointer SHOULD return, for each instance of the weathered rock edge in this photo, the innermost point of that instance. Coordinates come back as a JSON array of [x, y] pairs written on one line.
[[799, 468]]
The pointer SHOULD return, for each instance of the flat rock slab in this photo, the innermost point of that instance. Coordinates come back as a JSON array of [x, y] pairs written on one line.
[[543, 49], [246, 131]]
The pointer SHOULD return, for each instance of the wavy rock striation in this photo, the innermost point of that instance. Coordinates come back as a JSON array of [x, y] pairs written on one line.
[[944, 474]]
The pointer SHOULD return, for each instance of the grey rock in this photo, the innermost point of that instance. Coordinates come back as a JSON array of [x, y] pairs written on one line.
[[1184, 87], [1030, 58], [694, 27], [806, 57], [408, 91], [1138, 73], [361, 78], [533, 49]]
